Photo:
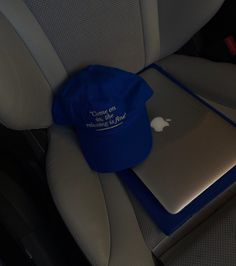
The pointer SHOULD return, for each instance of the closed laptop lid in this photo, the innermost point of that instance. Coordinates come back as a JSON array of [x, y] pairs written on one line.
[[192, 145]]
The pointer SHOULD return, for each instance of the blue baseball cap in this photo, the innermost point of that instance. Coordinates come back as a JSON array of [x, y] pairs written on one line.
[[107, 108]]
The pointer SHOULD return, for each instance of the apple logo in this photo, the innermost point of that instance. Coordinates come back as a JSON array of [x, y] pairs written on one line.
[[159, 123]]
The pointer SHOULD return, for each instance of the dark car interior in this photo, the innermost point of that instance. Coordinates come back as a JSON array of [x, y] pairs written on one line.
[[37, 229]]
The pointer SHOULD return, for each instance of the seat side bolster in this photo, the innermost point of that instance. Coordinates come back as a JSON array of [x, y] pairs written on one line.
[[96, 209], [127, 243], [78, 196], [25, 95], [31, 33], [215, 81]]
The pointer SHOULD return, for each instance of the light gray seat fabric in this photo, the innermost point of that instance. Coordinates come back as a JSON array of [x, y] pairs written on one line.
[[31, 33], [25, 100], [215, 81], [95, 207], [111, 228], [82, 32], [212, 243]]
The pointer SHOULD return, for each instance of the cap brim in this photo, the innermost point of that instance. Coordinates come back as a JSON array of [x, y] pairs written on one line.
[[121, 150]]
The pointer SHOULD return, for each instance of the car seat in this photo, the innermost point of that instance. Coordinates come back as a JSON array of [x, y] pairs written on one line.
[[42, 42]]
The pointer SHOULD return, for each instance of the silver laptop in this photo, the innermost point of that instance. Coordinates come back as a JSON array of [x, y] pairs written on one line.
[[192, 146]]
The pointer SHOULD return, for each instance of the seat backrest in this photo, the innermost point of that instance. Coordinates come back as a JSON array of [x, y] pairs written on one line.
[[43, 41]]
